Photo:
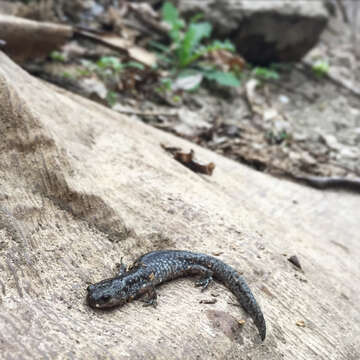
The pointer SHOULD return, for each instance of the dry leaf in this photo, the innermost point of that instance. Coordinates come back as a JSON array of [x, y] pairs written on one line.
[[226, 60], [120, 44], [187, 160], [187, 82]]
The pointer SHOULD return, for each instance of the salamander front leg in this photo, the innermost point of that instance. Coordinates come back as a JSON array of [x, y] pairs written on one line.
[[151, 297], [121, 268]]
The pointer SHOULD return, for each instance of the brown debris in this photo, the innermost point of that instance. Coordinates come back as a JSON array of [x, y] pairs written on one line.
[[141, 81], [26, 39], [188, 160], [120, 44], [226, 60], [208, 301], [300, 323], [267, 291]]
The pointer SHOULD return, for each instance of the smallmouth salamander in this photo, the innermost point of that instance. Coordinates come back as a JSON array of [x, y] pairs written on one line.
[[157, 267]]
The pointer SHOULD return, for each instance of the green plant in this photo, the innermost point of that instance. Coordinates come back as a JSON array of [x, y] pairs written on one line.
[[109, 62], [263, 73], [57, 56], [277, 138], [320, 68], [184, 56], [67, 75], [107, 67], [111, 98]]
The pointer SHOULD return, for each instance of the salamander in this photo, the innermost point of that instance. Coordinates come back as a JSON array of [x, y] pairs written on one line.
[[157, 267]]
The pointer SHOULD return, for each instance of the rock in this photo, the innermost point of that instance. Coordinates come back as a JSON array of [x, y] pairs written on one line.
[[266, 31]]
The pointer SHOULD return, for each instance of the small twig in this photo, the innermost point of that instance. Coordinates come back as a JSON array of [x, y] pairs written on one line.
[[320, 182], [78, 33], [134, 52], [131, 24], [90, 30], [146, 113]]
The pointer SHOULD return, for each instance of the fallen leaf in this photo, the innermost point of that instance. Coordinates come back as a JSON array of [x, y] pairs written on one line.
[[121, 44], [189, 82], [226, 60], [187, 160]]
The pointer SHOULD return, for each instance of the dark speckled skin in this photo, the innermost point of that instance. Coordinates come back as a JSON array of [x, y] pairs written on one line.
[[159, 266]]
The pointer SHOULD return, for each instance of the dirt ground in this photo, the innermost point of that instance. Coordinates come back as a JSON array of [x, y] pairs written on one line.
[[298, 125], [302, 124]]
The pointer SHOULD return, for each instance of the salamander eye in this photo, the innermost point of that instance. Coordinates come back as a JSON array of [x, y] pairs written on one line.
[[90, 288], [105, 298]]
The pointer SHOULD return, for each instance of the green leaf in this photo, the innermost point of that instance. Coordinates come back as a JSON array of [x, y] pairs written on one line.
[[265, 73], [321, 68], [196, 18], [216, 45], [192, 38], [57, 56], [110, 62], [67, 75], [171, 16], [221, 45], [223, 78], [111, 98], [158, 46], [167, 83], [135, 64]]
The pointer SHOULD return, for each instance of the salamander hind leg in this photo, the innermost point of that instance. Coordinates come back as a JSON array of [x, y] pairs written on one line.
[[206, 276]]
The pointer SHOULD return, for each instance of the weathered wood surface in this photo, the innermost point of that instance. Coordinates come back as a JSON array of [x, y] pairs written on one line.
[[82, 186]]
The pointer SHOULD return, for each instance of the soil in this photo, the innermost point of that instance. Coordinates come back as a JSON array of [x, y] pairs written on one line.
[[306, 125], [298, 125]]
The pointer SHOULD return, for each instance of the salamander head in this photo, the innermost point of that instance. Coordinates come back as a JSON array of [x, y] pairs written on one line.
[[107, 293]]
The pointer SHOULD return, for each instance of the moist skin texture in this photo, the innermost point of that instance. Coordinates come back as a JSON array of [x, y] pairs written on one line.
[[157, 267]]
